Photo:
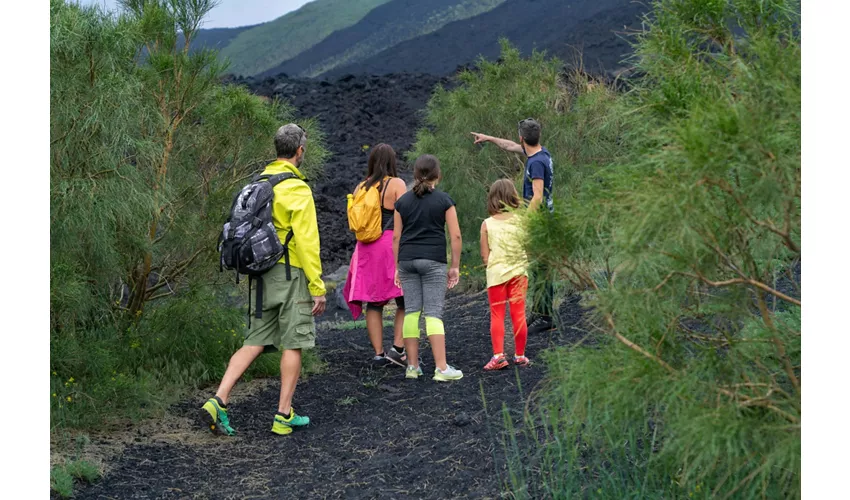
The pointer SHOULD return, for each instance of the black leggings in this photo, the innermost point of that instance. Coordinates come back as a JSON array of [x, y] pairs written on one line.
[[379, 306]]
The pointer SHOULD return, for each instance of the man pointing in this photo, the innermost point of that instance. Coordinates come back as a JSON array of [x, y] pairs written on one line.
[[537, 190]]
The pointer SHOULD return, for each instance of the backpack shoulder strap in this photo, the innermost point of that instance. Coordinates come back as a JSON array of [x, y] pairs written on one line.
[[386, 184], [276, 179]]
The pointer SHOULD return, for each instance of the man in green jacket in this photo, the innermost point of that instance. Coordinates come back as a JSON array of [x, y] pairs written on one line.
[[288, 305]]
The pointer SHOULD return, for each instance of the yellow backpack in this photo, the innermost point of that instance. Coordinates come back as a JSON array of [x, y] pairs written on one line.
[[364, 212]]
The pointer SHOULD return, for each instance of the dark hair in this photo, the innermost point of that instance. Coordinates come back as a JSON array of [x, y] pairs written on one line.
[[288, 139], [503, 194], [426, 169], [529, 130], [381, 164]]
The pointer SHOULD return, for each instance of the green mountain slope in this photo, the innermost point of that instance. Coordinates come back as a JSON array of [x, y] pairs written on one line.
[[382, 28], [267, 45]]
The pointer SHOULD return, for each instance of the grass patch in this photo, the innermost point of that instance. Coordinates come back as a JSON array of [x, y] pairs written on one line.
[[63, 477], [358, 324], [311, 363], [347, 401]]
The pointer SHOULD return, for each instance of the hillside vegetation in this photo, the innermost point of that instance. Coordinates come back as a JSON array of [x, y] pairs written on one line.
[[678, 216], [215, 38], [384, 27], [267, 45]]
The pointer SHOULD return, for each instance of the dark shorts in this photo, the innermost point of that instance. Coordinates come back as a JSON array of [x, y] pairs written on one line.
[[379, 306]]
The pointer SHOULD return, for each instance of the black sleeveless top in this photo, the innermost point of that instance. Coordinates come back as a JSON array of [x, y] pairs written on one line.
[[387, 216]]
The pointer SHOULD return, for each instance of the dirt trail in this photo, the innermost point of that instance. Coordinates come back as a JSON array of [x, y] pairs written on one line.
[[373, 434]]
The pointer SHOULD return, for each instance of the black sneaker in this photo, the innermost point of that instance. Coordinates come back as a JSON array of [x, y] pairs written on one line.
[[399, 358], [541, 324], [380, 360]]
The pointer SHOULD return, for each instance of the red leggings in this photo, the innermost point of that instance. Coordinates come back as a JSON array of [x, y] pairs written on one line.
[[514, 292]]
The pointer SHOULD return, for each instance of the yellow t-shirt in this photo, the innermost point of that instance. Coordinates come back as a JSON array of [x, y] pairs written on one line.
[[507, 253]]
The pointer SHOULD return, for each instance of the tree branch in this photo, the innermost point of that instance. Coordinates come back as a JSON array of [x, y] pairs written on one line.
[[768, 224], [159, 296], [631, 345], [739, 281], [178, 270], [780, 347]]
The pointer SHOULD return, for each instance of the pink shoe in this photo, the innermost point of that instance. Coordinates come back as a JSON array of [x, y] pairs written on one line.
[[496, 363], [521, 361]]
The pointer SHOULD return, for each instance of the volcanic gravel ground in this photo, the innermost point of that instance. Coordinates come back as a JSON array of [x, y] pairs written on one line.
[[356, 112], [373, 434]]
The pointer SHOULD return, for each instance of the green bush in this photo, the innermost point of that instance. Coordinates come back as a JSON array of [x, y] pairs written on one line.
[[678, 215], [147, 148], [178, 344], [61, 482]]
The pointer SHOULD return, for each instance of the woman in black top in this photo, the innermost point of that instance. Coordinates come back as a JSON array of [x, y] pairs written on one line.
[[419, 244]]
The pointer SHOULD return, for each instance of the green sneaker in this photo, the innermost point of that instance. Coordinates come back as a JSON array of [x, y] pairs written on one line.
[[451, 373], [412, 372], [283, 426], [215, 417]]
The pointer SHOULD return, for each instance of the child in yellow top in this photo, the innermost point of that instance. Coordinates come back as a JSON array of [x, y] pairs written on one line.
[[507, 271]]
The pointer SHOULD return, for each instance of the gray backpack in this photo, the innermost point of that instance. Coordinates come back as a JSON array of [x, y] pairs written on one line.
[[248, 243]]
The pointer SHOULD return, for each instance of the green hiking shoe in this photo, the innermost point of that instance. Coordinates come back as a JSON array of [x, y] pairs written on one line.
[[283, 426], [214, 416]]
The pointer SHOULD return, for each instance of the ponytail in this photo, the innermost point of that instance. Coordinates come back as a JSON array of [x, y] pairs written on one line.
[[425, 171], [420, 188]]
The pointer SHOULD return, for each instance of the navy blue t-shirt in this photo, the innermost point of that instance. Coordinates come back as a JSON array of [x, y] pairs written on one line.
[[539, 166]]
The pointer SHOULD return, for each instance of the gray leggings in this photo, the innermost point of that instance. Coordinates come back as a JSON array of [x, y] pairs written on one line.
[[423, 282]]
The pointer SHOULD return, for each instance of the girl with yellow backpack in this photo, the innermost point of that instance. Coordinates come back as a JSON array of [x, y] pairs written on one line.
[[372, 270]]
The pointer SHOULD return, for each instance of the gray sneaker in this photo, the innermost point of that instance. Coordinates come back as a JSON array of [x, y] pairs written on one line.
[[398, 358], [412, 372], [379, 361], [450, 373]]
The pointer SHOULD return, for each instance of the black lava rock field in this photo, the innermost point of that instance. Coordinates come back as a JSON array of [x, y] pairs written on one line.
[[356, 112]]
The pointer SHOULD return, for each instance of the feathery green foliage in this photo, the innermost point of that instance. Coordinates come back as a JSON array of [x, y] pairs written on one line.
[[147, 148], [678, 214]]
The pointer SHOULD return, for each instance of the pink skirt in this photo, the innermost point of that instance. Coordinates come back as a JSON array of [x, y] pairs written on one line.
[[371, 274]]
